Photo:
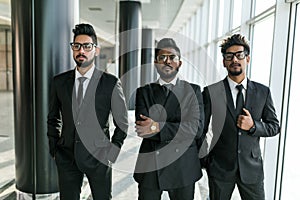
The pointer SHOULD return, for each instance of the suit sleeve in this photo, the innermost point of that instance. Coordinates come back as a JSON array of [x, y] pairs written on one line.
[[120, 120], [202, 142], [54, 119], [186, 127], [142, 107], [207, 109], [268, 125]]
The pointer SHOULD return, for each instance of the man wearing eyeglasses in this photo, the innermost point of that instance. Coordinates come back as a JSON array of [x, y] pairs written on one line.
[[239, 112], [81, 101], [169, 118]]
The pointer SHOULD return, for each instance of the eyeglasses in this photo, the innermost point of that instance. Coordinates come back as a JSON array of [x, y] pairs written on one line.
[[239, 55], [164, 58], [86, 46]]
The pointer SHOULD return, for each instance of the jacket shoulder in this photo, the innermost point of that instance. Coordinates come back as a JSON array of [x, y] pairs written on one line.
[[108, 76], [258, 85], [64, 74], [259, 88], [193, 85], [61, 78], [216, 85], [148, 86]]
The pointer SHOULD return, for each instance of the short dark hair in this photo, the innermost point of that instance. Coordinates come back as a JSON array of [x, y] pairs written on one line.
[[236, 39], [167, 43], [85, 29]]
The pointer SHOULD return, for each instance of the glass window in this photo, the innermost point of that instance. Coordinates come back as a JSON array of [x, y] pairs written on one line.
[[221, 17], [210, 22], [204, 22], [237, 13], [262, 50], [198, 27], [291, 173], [261, 6]]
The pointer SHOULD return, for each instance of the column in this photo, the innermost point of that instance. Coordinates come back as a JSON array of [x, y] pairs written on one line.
[[40, 42], [130, 20]]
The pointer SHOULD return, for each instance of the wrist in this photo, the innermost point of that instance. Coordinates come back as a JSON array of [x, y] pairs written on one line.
[[252, 129], [154, 127]]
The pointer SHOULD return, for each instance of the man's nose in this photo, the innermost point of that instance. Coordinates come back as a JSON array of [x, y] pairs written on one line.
[[81, 49], [168, 60], [234, 58]]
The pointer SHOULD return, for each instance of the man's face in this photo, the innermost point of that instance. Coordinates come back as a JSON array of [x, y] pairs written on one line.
[[167, 63], [84, 57], [235, 60]]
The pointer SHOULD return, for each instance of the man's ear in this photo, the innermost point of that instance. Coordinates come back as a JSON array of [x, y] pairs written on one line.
[[248, 59], [97, 52], [180, 63]]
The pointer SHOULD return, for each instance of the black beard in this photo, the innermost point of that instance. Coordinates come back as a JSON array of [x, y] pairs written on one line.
[[167, 76], [85, 63], [235, 73]]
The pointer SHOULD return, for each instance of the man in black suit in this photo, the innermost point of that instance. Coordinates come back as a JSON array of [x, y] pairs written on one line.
[[169, 118], [238, 111], [81, 101]]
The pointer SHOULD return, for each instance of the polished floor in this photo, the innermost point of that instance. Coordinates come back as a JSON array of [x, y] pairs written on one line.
[[124, 187]]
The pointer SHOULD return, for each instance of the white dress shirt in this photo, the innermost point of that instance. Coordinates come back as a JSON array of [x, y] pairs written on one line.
[[234, 90], [88, 76]]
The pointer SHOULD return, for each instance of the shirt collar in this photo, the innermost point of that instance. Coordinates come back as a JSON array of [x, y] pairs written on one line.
[[88, 74], [233, 84]]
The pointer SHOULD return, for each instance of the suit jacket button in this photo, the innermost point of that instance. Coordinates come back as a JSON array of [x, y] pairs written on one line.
[[240, 133], [239, 151], [176, 150], [157, 153], [78, 123]]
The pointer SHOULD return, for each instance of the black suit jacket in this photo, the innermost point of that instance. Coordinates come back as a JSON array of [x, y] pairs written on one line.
[[169, 159], [89, 125], [234, 150]]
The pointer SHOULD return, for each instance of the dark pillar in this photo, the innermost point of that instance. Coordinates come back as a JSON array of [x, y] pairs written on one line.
[[130, 48], [147, 69], [41, 31]]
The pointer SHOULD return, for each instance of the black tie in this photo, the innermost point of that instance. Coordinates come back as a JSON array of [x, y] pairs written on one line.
[[80, 90], [239, 100], [167, 88]]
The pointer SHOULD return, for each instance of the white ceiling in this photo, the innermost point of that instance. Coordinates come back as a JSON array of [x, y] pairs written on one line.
[[156, 14]]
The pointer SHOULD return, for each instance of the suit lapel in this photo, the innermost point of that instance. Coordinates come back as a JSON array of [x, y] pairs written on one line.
[[175, 96], [229, 99], [70, 84], [250, 96], [157, 93], [89, 97]]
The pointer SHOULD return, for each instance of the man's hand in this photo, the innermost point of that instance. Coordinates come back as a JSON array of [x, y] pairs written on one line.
[[143, 127], [245, 122]]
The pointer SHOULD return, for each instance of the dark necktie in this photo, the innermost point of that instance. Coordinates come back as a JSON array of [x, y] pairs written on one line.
[[239, 100], [167, 88], [80, 90]]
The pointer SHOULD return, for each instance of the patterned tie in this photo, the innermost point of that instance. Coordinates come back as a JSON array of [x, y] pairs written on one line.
[[80, 90], [239, 100], [167, 88]]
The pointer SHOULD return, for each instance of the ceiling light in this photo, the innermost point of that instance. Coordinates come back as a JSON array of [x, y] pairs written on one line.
[[95, 9]]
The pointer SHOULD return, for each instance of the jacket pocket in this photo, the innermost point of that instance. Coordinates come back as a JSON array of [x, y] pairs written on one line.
[[256, 153]]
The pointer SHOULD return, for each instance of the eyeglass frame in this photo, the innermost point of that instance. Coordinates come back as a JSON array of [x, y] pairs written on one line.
[[82, 45], [245, 54], [167, 56]]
